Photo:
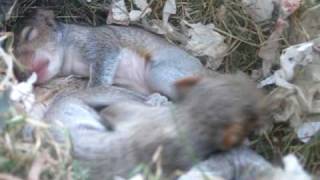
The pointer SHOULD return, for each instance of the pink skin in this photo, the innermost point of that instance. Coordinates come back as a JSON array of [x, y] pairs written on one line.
[[40, 67], [37, 65]]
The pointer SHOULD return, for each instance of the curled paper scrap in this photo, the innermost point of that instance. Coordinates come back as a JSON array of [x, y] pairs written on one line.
[[297, 95]]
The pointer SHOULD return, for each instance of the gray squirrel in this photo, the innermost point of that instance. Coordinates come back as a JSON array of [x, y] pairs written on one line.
[[129, 57], [210, 114]]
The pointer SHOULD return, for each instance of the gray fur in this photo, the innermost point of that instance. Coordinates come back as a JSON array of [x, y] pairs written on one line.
[[240, 163], [99, 48], [188, 131], [168, 63]]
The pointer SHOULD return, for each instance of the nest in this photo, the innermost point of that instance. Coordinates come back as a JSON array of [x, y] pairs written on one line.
[[44, 159]]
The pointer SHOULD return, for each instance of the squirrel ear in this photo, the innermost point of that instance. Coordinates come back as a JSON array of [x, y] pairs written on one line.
[[184, 85]]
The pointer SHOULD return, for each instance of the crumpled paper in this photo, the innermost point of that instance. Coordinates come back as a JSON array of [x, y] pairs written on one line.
[[259, 10], [262, 10], [23, 92], [292, 56], [163, 26], [292, 170], [20, 93], [205, 41], [168, 9], [269, 51], [119, 13], [307, 130], [297, 96], [199, 39]]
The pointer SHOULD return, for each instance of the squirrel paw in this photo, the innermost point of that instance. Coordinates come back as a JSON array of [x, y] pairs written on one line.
[[157, 99]]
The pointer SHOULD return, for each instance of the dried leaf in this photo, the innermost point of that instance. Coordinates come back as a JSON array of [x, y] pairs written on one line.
[[169, 9], [298, 100], [260, 10], [136, 15], [307, 130], [22, 92], [141, 4], [293, 169], [270, 51], [118, 13], [291, 56], [204, 41]]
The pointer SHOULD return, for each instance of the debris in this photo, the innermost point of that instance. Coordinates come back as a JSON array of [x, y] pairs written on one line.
[[269, 51], [259, 10], [6, 43], [294, 55], [164, 27], [119, 13], [205, 41], [169, 8], [293, 169], [307, 130], [262, 10], [297, 94], [136, 15], [22, 92]]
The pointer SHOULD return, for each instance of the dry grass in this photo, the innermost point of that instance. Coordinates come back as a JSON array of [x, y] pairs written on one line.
[[41, 158], [243, 36]]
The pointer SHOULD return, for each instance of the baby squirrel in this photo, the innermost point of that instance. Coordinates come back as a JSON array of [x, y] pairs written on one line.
[[110, 55], [211, 114]]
